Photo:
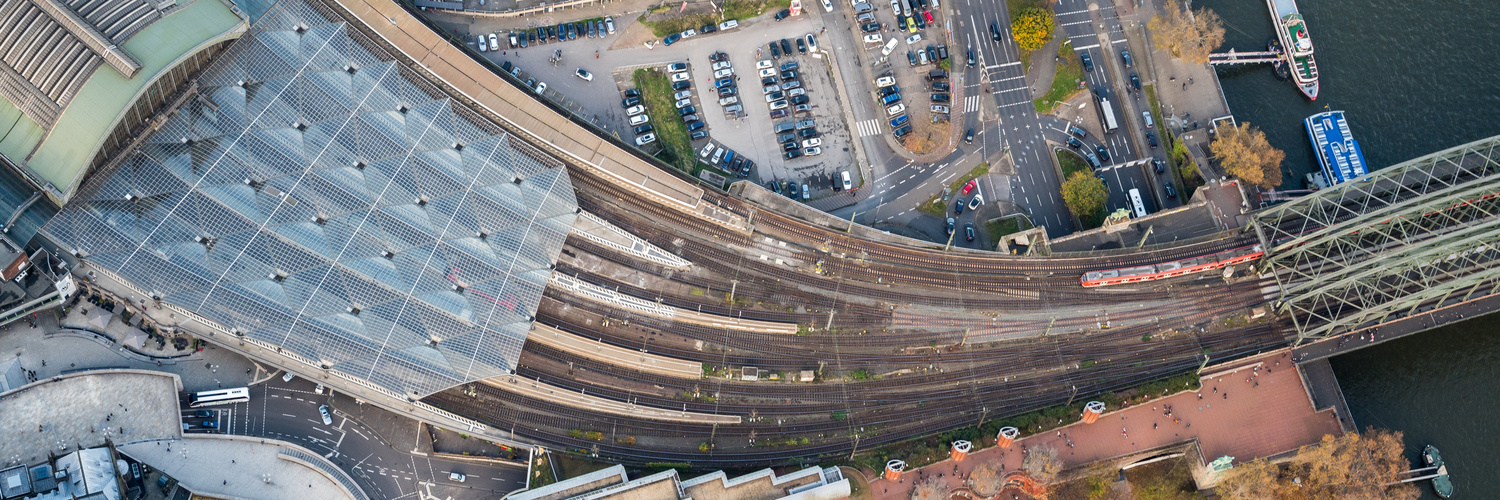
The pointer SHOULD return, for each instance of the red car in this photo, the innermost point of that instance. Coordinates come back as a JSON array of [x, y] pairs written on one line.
[[970, 186], [927, 14]]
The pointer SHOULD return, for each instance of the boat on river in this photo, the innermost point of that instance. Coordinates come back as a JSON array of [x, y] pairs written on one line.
[[1291, 29]]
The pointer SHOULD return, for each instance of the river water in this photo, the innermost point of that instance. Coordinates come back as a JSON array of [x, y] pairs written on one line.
[[1414, 77]]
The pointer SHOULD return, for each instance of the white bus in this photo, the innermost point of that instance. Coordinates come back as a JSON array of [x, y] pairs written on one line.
[[1136, 203], [1106, 111], [220, 397]]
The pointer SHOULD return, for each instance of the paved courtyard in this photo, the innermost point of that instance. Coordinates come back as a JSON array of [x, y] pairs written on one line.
[[72, 412], [1253, 408]]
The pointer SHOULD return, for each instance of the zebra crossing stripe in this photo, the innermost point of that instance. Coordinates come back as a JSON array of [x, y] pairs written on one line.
[[868, 127], [971, 104]]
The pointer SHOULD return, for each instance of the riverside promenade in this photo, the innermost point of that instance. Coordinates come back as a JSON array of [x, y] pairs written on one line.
[[1248, 408]]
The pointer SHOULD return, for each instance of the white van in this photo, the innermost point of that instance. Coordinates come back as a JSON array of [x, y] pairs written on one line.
[[889, 46]]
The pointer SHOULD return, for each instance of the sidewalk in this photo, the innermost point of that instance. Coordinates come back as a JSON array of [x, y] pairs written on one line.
[[1188, 93]]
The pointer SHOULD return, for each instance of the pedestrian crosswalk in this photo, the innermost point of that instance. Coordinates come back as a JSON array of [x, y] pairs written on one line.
[[971, 104], [868, 127]]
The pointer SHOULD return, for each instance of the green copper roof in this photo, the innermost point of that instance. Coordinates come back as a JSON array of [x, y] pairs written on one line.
[[91, 115]]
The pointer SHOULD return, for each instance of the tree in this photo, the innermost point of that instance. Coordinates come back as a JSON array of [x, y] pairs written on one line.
[[1354, 466], [1043, 463], [1189, 36], [1085, 195], [1253, 480], [930, 488], [987, 479], [1032, 28], [1244, 153]]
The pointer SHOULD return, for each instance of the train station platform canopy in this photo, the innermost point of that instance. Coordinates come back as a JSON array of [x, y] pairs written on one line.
[[323, 199]]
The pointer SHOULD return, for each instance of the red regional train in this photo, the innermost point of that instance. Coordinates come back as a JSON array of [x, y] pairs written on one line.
[[1171, 269]]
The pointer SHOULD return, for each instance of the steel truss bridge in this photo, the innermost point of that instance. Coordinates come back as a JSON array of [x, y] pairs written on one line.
[[1407, 239]]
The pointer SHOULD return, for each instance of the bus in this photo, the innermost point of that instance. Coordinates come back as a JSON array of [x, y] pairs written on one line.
[[220, 397], [1137, 204], [1106, 111]]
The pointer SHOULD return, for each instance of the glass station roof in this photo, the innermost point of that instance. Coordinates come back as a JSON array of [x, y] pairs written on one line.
[[317, 196]]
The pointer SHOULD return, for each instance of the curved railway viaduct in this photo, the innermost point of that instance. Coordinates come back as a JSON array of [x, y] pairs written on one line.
[[899, 339]]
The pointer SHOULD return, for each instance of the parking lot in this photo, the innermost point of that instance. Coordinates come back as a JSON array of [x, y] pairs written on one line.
[[901, 56]]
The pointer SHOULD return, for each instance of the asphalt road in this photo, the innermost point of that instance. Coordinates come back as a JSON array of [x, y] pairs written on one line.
[[377, 448]]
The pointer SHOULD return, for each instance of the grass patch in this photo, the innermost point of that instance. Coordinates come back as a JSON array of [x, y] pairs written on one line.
[[1064, 81], [1071, 162], [733, 9], [939, 208], [1001, 228], [671, 134]]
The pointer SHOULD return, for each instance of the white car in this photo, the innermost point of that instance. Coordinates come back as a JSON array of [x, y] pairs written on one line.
[[585, 75], [891, 111], [645, 139], [683, 103], [483, 45], [874, 38], [812, 151], [689, 33], [812, 42], [681, 77], [812, 143], [778, 105], [763, 64], [885, 81], [724, 73], [721, 65], [796, 91], [729, 25], [327, 419], [494, 41], [456, 477], [635, 110], [683, 94], [912, 40], [729, 100], [639, 119], [541, 87], [708, 149], [609, 25], [767, 72], [847, 183], [938, 108], [827, 6]]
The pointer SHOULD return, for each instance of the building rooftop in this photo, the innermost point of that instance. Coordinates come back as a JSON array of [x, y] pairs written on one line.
[[56, 84], [254, 469], [319, 197], [812, 483]]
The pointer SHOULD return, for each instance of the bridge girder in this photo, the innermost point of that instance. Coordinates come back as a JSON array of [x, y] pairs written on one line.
[[1406, 239]]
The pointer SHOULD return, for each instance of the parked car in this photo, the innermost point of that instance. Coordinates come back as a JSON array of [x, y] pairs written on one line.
[[1074, 143], [782, 14], [775, 51], [698, 134], [1103, 153], [729, 25], [870, 28], [728, 100], [1135, 82], [969, 136], [949, 230], [723, 82], [585, 75], [694, 125], [721, 64], [938, 108], [969, 231], [812, 151], [1125, 55], [683, 103], [609, 25], [940, 97], [323, 411], [724, 73], [671, 39], [779, 113], [902, 131], [640, 119], [786, 47], [635, 110], [899, 121], [1151, 139], [643, 129], [682, 85], [814, 142], [687, 110], [775, 95], [912, 40]]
